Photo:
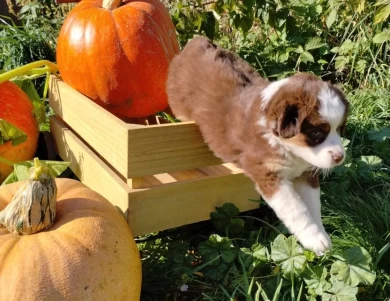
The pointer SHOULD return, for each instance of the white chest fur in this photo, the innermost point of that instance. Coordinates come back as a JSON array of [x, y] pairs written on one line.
[[294, 167]]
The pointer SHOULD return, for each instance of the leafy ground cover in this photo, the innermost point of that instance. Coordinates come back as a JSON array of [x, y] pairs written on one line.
[[250, 256]]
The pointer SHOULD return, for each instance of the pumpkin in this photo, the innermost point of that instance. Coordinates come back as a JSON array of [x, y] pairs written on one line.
[[17, 109], [88, 254], [118, 54]]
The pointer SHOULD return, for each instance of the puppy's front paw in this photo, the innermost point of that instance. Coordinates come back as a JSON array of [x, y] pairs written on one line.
[[315, 239]]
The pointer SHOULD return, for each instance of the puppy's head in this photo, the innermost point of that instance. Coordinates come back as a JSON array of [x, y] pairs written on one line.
[[308, 116]]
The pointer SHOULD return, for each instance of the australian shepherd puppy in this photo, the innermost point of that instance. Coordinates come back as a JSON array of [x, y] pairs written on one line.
[[280, 133]]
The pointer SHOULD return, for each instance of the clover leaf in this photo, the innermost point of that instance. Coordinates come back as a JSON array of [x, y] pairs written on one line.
[[379, 135], [315, 279], [288, 254], [224, 219], [355, 269], [217, 250], [340, 292], [254, 256]]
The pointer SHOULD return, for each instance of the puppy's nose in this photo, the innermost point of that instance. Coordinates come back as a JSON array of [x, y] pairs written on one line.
[[338, 157]]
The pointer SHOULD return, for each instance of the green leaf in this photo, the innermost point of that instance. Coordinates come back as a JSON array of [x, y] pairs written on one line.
[[379, 135], [299, 49], [315, 279], [355, 269], [288, 254], [331, 18], [341, 61], [347, 46], [253, 256], [209, 24], [382, 37], [283, 57], [361, 66], [335, 49], [314, 43], [340, 292], [306, 56], [217, 247], [20, 172], [9, 132], [382, 13], [245, 24], [225, 219], [346, 142], [373, 161]]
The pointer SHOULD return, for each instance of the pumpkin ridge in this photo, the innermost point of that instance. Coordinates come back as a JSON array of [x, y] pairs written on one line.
[[160, 38], [90, 63], [162, 29], [52, 268], [162, 50], [7, 252], [167, 24]]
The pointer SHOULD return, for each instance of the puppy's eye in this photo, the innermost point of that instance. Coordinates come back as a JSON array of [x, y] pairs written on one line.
[[316, 134]]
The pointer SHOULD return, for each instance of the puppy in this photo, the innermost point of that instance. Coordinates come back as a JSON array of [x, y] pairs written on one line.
[[280, 133]]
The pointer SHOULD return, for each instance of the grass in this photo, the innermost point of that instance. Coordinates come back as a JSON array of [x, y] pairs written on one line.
[[356, 199]]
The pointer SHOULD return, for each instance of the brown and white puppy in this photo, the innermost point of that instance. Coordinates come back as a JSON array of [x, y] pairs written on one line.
[[280, 133]]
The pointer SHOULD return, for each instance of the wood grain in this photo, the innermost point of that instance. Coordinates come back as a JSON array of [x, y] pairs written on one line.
[[183, 203], [88, 167], [101, 130], [167, 147]]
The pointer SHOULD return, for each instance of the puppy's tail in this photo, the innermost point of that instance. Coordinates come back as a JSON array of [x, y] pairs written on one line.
[[203, 71]]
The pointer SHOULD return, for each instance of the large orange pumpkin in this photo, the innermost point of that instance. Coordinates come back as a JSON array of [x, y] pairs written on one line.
[[88, 254], [17, 109], [118, 54]]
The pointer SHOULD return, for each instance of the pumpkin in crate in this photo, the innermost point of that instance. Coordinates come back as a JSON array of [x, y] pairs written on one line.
[[17, 109], [117, 53], [87, 254]]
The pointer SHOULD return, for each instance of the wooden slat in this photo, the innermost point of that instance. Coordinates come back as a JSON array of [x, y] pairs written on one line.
[[178, 204], [88, 167], [133, 150], [105, 133], [167, 147]]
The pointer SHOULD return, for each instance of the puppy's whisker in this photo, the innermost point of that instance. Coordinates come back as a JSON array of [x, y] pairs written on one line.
[[317, 171]]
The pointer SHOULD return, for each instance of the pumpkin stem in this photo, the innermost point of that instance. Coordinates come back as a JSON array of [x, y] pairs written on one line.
[[111, 4], [34, 68], [33, 207]]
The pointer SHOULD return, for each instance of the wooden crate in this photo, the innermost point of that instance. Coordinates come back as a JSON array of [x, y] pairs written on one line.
[[160, 176]]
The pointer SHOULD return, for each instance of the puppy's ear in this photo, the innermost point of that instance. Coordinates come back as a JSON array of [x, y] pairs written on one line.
[[345, 101], [289, 123]]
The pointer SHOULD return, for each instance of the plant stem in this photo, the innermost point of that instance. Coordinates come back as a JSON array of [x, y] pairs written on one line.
[[111, 4], [6, 161], [32, 68]]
